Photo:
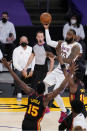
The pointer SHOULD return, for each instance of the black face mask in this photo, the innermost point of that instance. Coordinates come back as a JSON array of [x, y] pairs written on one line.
[[40, 41], [4, 20], [23, 44], [69, 40]]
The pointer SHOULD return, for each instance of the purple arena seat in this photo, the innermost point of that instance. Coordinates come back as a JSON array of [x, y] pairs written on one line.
[[17, 12]]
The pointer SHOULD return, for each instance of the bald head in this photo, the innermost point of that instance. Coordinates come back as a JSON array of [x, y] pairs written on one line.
[[23, 39]]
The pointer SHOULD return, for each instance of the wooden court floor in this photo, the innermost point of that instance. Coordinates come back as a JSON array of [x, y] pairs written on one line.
[[12, 113]]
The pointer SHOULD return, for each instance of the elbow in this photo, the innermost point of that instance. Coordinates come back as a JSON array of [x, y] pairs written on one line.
[[48, 42]]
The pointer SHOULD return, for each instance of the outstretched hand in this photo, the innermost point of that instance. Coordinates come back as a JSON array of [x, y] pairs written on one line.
[[73, 68], [4, 61], [58, 48]]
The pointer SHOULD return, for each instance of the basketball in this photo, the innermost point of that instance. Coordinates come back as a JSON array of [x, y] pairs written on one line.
[[45, 18]]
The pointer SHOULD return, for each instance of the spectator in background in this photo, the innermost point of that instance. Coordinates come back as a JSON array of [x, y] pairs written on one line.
[[7, 36], [74, 23], [21, 55]]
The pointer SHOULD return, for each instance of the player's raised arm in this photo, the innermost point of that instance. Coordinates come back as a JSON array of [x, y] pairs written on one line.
[[48, 38], [24, 87], [72, 69]]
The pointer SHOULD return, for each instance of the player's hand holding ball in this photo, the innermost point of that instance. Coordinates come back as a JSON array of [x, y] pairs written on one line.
[[46, 19]]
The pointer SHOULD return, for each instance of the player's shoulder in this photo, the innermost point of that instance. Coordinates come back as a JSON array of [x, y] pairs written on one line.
[[77, 45], [64, 43]]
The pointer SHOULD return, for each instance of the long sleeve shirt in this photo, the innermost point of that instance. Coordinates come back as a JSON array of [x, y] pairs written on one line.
[[49, 41], [5, 30], [21, 56], [79, 31]]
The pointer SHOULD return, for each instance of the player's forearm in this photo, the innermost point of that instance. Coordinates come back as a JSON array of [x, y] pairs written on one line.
[[60, 59], [67, 60], [74, 54], [48, 39], [24, 87], [51, 65], [71, 81]]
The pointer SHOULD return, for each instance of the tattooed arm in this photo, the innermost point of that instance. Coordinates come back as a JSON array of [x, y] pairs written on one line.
[[74, 54]]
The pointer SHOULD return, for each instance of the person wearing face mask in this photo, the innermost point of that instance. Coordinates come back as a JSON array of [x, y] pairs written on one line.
[[7, 36], [74, 23], [21, 55]]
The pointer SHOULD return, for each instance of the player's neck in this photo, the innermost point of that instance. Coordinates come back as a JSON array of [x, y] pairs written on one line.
[[72, 42]]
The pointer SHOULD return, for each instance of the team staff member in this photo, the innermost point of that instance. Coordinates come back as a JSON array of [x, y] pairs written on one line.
[[37, 100], [40, 51], [7, 36], [21, 55]]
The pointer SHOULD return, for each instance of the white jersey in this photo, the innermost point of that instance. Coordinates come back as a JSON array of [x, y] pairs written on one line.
[[80, 120], [65, 48]]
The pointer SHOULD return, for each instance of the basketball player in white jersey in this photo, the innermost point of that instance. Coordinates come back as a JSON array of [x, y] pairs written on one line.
[[70, 51]]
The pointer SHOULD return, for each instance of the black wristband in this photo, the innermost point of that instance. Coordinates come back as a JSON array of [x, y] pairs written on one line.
[[63, 66]]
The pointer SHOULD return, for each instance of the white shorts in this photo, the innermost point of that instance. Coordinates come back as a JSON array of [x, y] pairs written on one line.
[[54, 78]]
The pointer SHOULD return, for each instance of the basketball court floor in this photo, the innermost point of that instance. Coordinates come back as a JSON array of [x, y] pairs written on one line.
[[12, 113]]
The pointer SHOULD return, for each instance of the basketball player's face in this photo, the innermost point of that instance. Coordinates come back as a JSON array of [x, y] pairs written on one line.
[[40, 38], [69, 37]]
